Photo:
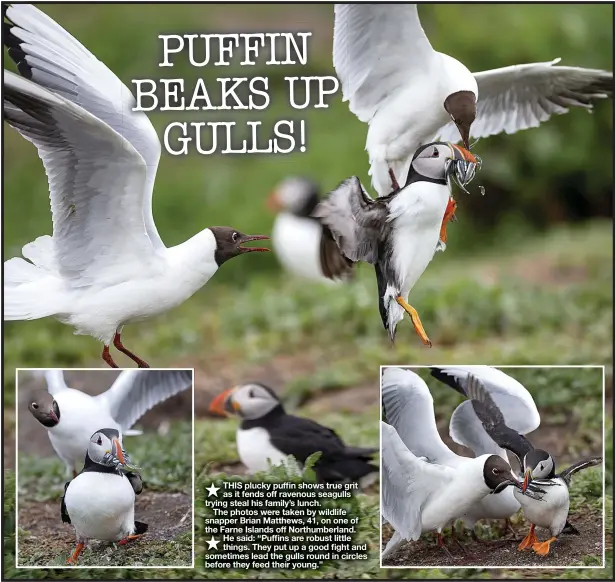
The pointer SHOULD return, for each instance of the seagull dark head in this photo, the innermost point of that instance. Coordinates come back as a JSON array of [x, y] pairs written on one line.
[[537, 464], [44, 408], [105, 448], [248, 401], [497, 474], [229, 243], [461, 106], [296, 195]]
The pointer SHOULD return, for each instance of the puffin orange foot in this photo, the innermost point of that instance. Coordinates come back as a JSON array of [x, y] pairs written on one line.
[[130, 538], [542, 548], [73, 559], [529, 540]]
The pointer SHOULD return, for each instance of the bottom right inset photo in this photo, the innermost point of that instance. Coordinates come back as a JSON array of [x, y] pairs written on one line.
[[492, 466]]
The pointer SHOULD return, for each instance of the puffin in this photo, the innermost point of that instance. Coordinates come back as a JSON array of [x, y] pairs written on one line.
[[302, 244], [100, 501], [267, 435], [70, 416], [419, 496], [409, 94], [399, 233], [548, 508]]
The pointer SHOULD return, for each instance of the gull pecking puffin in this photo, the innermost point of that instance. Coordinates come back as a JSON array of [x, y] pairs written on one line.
[[409, 94], [549, 508], [100, 501], [302, 244], [420, 497], [70, 416], [267, 435], [398, 233]]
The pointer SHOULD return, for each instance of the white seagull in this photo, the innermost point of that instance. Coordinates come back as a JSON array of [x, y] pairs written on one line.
[[408, 93], [105, 264], [420, 497], [301, 242], [408, 406], [71, 416]]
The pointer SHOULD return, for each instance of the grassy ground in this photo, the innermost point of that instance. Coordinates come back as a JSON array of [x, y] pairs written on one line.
[[541, 300]]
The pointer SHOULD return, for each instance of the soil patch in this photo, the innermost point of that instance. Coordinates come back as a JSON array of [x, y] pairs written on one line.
[[568, 550]]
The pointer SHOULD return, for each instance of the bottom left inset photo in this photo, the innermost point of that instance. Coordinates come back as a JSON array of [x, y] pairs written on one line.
[[105, 472]]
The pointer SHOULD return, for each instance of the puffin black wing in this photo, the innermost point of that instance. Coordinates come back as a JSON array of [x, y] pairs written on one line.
[[63, 511], [357, 222], [493, 420], [568, 472], [302, 437]]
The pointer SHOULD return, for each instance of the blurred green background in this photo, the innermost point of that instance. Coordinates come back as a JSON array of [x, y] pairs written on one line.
[[526, 278]]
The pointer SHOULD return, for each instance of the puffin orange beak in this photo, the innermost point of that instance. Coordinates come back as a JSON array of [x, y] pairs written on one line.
[[223, 405], [273, 202], [465, 154], [118, 453], [526, 480]]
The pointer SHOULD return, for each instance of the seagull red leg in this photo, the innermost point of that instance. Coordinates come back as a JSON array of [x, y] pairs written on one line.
[[449, 215], [117, 342], [443, 546], [394, 182], [107, 357]]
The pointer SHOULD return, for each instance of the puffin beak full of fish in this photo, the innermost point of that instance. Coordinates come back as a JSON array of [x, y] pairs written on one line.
[[118, 452], [527, 480], [463, 167], [223, 404]]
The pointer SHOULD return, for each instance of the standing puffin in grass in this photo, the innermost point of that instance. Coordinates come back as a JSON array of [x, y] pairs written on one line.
[[100, 501], [268, 435]]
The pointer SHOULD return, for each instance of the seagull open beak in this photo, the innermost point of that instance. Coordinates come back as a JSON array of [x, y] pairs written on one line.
[[273, 202], [527, 480], [249, 238], [223, 404]]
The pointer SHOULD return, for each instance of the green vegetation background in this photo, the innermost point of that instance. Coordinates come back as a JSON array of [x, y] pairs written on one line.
[[527, 276]]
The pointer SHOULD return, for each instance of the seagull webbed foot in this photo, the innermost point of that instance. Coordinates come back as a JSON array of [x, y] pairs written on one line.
[[416, 320]]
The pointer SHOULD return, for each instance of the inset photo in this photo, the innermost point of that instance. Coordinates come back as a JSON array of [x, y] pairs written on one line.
[[492, 466], [105, 468]]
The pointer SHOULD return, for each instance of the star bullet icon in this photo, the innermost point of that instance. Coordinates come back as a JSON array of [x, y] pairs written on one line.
[[213, 490], [213, 543]]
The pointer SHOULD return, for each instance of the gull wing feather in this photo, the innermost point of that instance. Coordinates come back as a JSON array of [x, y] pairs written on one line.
[[96, 181], [357, 222], [522, 96], [407, 483], [376, 49], [512, 398], [408, 406], [493, 420], [51, 57], [55, 381], [137, 391]]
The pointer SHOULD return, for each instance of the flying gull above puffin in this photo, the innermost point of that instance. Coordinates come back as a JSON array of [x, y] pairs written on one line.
[[100, 501], [105, 265], [547, 509], [268, 435], [71, 416], [409, 94], [420, 497], [301, 242], [408, 406], [399, 233]]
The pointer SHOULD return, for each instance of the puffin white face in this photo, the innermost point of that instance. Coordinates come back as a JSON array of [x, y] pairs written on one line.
[[437, 160], [537, 464], [249, 401], [292, 195], [106, 449]]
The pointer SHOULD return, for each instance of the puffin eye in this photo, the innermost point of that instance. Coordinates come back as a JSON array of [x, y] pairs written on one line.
[[235, 236], [251, 393], [34, 405], [436, 153], [99, 441]]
